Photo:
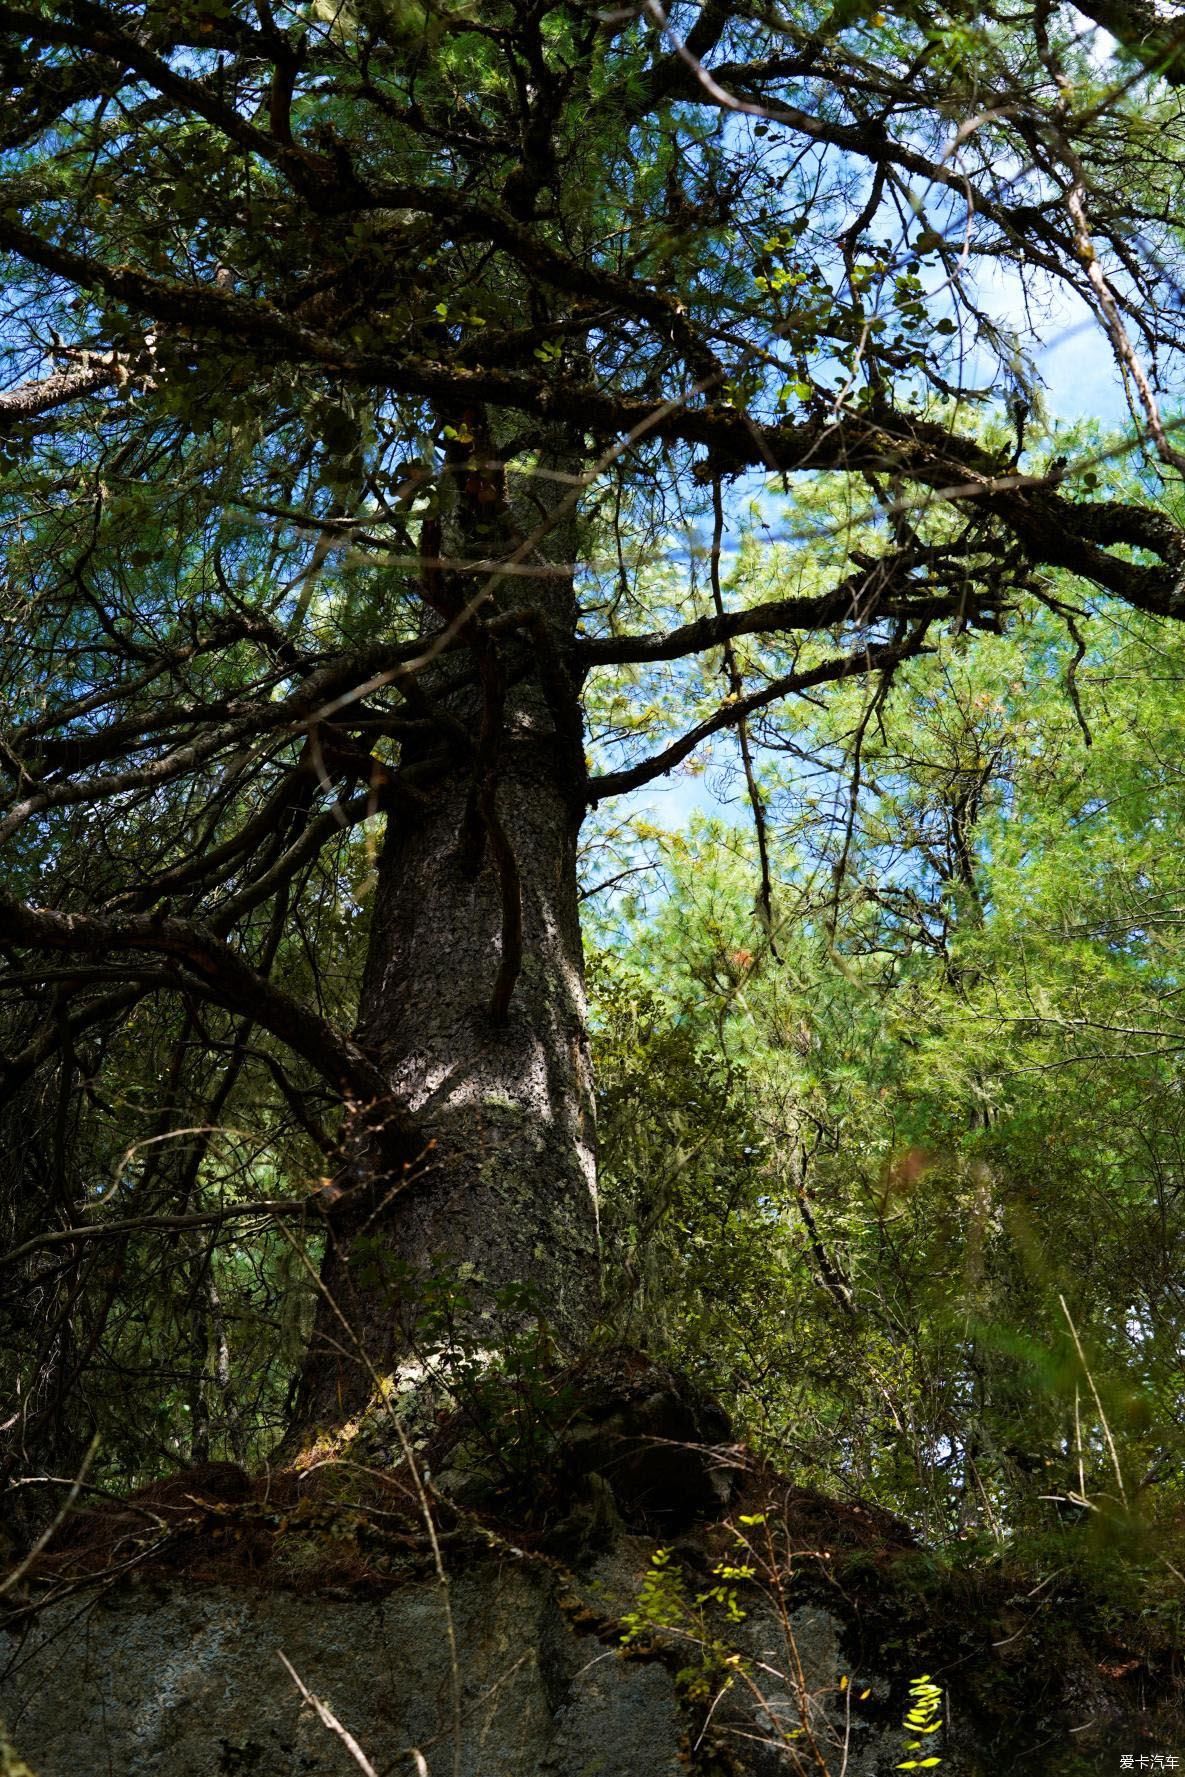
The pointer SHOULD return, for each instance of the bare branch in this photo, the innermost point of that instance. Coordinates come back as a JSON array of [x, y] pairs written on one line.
[[269, 1208], [847, 666]]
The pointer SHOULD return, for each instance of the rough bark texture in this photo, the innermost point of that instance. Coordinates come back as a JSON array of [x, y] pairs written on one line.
[[473, 996]]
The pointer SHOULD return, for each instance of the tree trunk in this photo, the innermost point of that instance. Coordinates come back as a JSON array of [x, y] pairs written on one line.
[[472, 999]]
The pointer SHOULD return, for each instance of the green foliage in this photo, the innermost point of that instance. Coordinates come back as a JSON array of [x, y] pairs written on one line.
[[922, 1719], [662, 1600], [700, 1622], [856, 1157], [852, 1182]]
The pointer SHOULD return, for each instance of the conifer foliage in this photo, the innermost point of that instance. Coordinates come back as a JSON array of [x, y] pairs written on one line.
[[385, 384]]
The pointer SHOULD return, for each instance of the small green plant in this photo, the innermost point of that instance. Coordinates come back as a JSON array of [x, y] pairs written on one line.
[[662, 1601], [922, 1718], [663, 1605], [666, 1609]]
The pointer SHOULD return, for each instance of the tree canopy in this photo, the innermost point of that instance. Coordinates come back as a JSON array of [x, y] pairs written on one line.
[[425, 425]]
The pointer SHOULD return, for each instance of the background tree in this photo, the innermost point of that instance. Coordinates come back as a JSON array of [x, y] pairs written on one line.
[[869, 1192], [363, 365]]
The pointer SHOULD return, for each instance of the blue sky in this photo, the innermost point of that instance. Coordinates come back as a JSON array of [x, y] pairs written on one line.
[[1073, 359]]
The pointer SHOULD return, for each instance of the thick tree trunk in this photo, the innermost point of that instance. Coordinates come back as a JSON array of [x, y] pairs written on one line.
[[505, 1195]]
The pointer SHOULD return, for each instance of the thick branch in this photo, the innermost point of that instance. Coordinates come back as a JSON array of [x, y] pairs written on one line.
[[28, 401], [859, 599], [1144, 31], [226, 975], [338, 684], [1054, 528]]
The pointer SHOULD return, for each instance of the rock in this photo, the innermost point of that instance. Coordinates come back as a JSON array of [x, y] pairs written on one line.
[[170, 1677], [189, 1683], [778, 1640]]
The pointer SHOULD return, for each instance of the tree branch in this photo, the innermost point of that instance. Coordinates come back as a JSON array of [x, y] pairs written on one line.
[[226, 975], [281, 1206], [860, 599], [1054, 529], [28, 401], [880, 659], [1145, 32]]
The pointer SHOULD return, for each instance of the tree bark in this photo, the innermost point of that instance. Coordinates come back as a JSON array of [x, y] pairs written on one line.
[[472, 1001]]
